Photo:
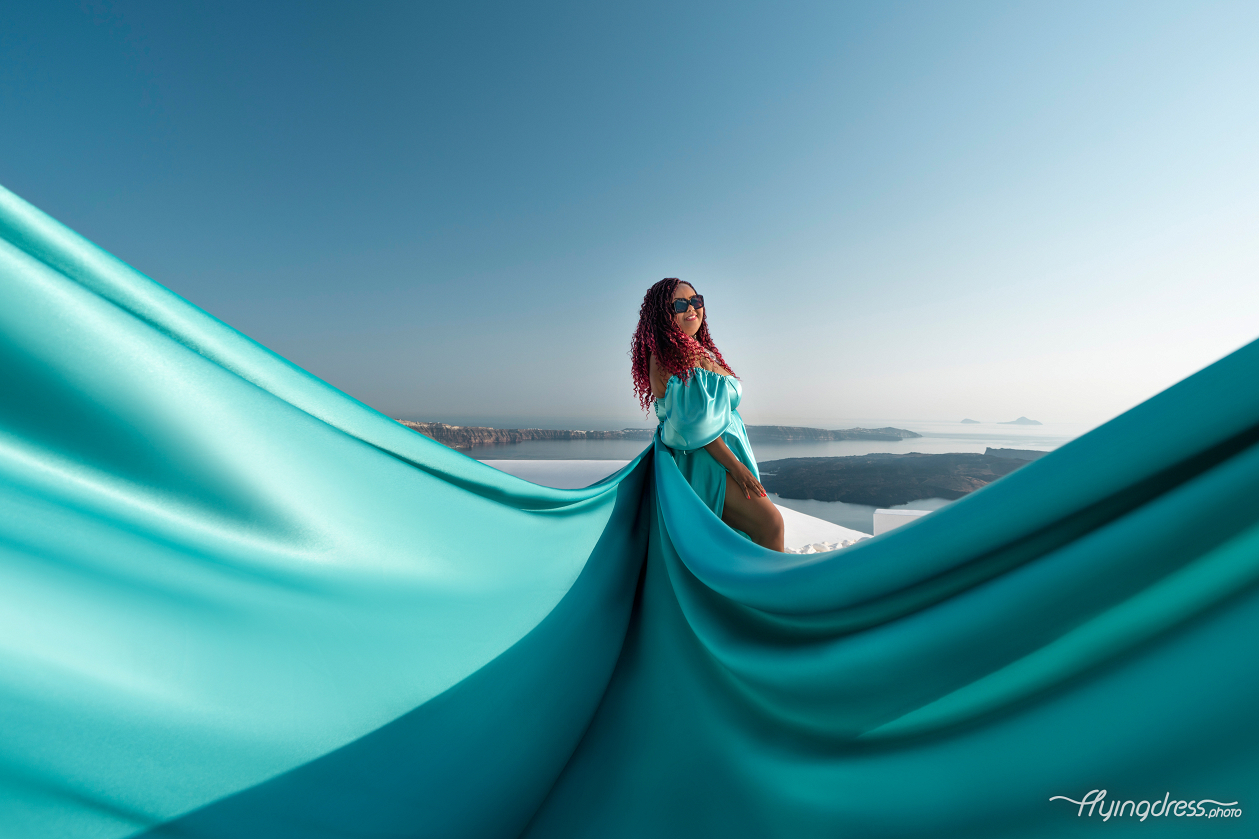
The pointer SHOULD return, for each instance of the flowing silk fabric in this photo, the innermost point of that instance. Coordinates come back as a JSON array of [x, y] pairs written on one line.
[[235, 602], [694, 413]]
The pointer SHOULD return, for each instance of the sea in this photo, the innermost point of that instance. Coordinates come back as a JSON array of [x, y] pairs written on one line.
[[937, 438]]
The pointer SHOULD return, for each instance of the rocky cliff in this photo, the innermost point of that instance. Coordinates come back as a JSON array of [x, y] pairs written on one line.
[[884, 480], [467, 436]]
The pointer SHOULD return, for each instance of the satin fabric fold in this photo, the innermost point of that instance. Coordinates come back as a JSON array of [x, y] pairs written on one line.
[[235, 602]]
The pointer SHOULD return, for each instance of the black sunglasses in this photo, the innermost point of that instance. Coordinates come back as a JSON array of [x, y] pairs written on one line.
[[681, 305]]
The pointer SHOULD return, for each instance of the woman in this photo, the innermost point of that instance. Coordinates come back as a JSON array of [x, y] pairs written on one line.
[[678, 369]]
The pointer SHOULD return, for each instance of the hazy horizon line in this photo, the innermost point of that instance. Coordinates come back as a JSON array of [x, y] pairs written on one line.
[[605, 423]]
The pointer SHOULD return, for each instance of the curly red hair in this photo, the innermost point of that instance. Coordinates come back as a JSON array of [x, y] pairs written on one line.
[[658, 334]]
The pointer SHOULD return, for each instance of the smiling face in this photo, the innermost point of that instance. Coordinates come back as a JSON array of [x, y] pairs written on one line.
[[690, 320]]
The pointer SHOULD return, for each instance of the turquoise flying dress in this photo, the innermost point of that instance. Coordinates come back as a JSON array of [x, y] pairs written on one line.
[[694, 413], [237, 604]]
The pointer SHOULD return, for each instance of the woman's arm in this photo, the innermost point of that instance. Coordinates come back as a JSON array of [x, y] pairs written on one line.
[[739, 473]]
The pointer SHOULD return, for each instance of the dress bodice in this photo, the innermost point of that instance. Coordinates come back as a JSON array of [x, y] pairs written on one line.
[[694, 413]]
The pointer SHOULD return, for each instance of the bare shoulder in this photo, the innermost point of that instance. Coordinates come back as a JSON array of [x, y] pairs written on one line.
[[659, 378]]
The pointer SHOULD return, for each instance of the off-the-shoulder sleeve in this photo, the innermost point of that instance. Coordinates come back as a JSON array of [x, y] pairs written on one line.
[[696, 413]]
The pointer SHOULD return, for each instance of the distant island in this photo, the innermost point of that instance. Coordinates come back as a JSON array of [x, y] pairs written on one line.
[[886, 480], [1022, 421], [970, 422], [468, 436]]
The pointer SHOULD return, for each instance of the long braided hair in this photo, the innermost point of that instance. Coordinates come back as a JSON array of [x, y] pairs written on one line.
[[658, 334]]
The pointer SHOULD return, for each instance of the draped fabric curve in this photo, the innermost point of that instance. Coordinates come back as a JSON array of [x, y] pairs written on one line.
[[235, 602]]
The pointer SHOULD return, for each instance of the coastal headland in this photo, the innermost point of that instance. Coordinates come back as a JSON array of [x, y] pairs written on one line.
[[887, 480]]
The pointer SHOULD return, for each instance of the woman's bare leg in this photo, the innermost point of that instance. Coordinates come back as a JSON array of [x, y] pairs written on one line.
[[756, 516]]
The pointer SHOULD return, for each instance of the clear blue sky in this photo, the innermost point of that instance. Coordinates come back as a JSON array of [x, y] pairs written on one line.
[[451, 211]]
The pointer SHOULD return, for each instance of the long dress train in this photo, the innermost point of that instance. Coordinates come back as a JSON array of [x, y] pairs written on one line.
[[235, 602]]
